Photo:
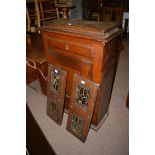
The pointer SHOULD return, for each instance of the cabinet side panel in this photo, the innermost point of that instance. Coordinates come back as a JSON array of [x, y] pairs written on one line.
[[110, 61], [97, 76]]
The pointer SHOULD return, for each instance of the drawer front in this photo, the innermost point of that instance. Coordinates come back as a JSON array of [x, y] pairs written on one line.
[[79, 63], [73, 45]]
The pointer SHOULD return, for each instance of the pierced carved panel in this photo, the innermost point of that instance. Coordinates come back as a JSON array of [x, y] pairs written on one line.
[[83, 98], [55, 82], [76, 124], [56, 92], [53, 106], [82, 95]]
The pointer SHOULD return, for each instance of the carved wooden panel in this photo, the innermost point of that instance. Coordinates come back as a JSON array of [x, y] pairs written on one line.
[[81, 108], [56, 93]]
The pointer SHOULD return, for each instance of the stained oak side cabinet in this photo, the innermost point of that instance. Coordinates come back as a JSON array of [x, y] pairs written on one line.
[[88, 49]]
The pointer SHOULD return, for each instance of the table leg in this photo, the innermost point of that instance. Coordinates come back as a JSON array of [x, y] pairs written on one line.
[[65, 13]]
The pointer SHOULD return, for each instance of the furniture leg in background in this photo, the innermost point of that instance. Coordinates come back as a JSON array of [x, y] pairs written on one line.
[[125, 23]]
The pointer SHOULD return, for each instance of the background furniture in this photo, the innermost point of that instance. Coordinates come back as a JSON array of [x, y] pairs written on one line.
[[65, 9], [39, 11], [45, 10], [113, 10], [31, 16], [86, 7], [125, 22], [97, 10], [105, 10], [64, 1], [35, 58]]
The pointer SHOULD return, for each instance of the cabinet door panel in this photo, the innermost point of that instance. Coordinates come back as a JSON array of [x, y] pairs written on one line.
[[56, 93], [81, 107]]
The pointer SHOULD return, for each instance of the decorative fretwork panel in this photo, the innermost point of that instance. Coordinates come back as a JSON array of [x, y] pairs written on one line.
[[82, 96], [81, 108], [56, 93], [53, 106], [76, 124], [55, 81]]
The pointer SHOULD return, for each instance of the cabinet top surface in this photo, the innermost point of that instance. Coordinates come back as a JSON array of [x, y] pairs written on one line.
[[96, 30]]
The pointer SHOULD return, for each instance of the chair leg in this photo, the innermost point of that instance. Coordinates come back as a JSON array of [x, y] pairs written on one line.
[[28, 39]]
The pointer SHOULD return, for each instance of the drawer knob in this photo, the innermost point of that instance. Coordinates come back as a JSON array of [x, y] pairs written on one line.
[[66, 47]]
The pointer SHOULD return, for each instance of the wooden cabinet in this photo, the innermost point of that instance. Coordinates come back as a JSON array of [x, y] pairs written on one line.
[[87, 49]]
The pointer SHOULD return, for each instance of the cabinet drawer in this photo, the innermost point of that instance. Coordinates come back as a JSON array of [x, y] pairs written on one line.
[[73, 46], [79, 63]]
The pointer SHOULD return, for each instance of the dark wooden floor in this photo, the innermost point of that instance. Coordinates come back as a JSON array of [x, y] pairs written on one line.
[[36, 142]]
